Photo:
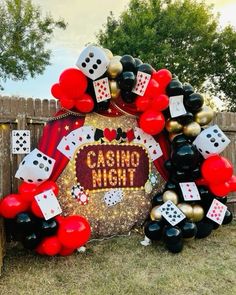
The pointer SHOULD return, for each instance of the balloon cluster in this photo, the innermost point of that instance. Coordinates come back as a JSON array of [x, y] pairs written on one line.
[[25, 223], [76, 90]]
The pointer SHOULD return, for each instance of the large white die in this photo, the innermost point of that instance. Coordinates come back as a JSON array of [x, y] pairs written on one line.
[[93, 62], [36, 167], [211, 141]]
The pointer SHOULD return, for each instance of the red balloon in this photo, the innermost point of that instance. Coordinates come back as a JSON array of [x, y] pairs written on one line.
[[67, 103], [66, 251], [232, 183], [163, 77], [160, 102], [36, 209], [56, 91], [85, 104], [47, 185], [51, 246], [40, 249], [153, 89], [217, 169], [74, 231], [73, 83], [220, 190], [142, 103], [152, 122], [201, 181], [59, 219], [28, 191], [12, 205]]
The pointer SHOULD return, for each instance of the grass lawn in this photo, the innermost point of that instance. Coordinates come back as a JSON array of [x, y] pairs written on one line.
[[123, 266]]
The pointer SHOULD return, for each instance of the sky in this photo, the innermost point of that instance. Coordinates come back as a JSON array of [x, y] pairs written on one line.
[[84, 18]]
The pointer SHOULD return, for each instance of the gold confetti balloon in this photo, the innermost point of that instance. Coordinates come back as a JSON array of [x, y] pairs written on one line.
[[170, 196], [108, 53], [198, 213], [187, 209], [192, 129], [204, 116], [115, 90], [155, 214], [173, 126], [114, 68]]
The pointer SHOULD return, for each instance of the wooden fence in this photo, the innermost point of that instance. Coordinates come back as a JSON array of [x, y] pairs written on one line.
[[19, 113]]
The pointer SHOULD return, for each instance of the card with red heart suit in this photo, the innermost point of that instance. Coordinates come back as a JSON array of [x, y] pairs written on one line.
[[48, 204], [102, 90]]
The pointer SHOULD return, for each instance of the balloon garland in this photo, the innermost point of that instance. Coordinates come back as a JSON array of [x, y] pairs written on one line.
[[162, 104]]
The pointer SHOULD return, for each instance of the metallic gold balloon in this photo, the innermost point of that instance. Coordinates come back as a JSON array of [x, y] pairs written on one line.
[[148, 187], [108, 53], [116, 57], [187, 209], [155, 214], [173, 126], [115, 90], [114, 68], [192, 129], [170, 195], [198, 213], [204, 116]]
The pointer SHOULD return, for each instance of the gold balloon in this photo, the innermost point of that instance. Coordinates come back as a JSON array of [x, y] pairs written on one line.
[[170, 195], [114, 68], [108, 53], [173, 126], [192, 129], [115, 90], [155, 214], [187, 209], [198, 213], [204, 116], [116, 57]]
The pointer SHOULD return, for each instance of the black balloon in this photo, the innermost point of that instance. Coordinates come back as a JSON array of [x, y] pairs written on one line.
[[172, 234], [153, 230], [31, 241], [228, 217], [126, 80], [102, 106], [185, 157], [128, 63], [189, 229], [25, 222], [146, 68], [204, 229], [170, 186], [168, 165], [174, 88], [194, 102], [223, 200], [48, 227], [179, 140], [157, 200], [185, 118], [178, 176], [128, 96], [138, 62], [188, 89], [175, 248]]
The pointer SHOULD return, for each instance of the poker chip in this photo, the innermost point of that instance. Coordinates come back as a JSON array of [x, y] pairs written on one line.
[[79, 194], [153, 178]]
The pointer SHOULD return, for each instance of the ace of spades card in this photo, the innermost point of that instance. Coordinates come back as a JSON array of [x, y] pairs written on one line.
[[20, 141], [102, 89], [171, 213], [190, 191], [217, 211], [48, 204]]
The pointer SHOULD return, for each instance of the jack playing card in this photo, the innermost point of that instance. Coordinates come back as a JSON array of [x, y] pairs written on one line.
[[141, 84], [48, 204], [217, 211], [190, 191], [176, 106], [171, 213], [20, 141], [102, 89]]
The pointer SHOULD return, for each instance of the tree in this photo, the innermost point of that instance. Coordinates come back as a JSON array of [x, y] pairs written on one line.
[[183, 36], [24, 34]]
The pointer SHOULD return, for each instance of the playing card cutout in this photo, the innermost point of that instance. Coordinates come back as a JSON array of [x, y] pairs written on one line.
[[149, 142], [48, 204], [217, 211], [93, 62], [211, 141], [171, 213], [190, 191], [36, 167], [176, 106], [79, 194], [20, 141], [113, 196], [142, 81], [102, 89]]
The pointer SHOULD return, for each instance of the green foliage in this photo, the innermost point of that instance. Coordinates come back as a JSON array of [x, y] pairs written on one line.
[[24, 34], [183, 36]]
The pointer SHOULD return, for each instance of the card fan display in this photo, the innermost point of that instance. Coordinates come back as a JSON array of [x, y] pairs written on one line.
[[129, 142]]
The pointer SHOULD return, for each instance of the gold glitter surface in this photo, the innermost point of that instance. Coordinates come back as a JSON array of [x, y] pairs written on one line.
[[120, 218]]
